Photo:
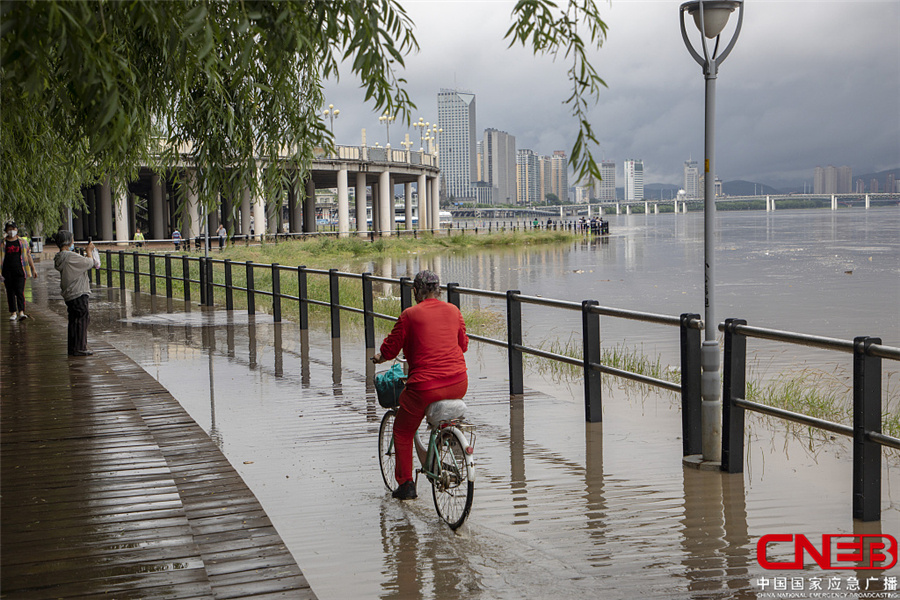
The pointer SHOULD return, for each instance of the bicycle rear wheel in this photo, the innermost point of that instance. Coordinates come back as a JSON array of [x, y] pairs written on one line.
[[386, 453], [452, 489]]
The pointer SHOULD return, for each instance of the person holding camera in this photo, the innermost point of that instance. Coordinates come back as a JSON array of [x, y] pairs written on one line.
[[75, 286]]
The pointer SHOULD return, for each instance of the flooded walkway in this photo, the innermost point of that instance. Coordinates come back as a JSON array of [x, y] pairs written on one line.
[[563, 509], [110, 488]]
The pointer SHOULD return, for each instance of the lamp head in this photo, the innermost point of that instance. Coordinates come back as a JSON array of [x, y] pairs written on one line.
[[715, 15]]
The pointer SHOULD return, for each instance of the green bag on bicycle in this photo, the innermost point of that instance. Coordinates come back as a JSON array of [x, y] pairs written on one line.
[[388, 385]]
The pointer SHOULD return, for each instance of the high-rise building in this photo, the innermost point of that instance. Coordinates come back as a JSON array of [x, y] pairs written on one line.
[[692, 180], [499, 165], [545, 166], [819, 181], [890, 183], [559, 173], [528, 177], [607, 188], [873, 186], [457, 152], [634, 179], [831, 180], [844, 180], [479, 146], [860, 186]]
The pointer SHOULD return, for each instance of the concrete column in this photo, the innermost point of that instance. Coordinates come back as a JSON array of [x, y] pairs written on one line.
[[407, 204], [343, 199], [157, 214], [78, 223], [104, 200], [646, 208], [656, 209], [192, 206], [259, 215], [833, 202], [132, 210], [90, 215], [684, 208], [423, 192], [361, 203], [628, 209], [867, 201], [385, 203], [123, 234], [245, 212], [436, 203], [599, 211], [309, 207], [618, 208], [295, 212]]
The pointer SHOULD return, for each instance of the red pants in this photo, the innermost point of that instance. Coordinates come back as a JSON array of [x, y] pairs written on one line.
[[409, 416]]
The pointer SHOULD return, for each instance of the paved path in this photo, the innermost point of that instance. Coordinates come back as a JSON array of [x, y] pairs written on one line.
[[110, 488]]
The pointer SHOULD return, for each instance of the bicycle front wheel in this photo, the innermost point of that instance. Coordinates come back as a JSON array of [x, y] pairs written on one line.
[[452, 489], [387, 455]]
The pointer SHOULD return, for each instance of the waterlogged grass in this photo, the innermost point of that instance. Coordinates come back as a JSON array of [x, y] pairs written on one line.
[[620, 356]]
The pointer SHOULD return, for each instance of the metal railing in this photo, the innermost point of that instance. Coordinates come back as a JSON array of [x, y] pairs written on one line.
[[867, 352], [867, 416]]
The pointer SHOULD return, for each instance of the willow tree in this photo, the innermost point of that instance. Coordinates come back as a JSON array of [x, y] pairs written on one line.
[[91, 89]]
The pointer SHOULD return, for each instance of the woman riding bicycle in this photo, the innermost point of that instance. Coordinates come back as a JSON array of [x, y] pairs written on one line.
[[432, 336]]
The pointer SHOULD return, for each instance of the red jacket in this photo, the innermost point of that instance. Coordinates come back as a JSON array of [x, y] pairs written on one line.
[[432, 335]]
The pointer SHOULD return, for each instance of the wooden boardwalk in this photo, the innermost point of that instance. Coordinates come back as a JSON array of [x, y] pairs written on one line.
[[110, 489]]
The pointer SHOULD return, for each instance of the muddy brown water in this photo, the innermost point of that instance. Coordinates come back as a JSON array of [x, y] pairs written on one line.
[[563, 509]]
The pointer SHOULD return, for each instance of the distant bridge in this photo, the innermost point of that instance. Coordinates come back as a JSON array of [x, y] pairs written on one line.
[[600, 208]]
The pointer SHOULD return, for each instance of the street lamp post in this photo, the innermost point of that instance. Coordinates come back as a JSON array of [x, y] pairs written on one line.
[[386, 119], [710, 16], [420, 125], [332, 113]]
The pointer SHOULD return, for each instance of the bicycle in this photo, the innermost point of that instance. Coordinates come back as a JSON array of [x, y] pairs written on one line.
[[447, 461]]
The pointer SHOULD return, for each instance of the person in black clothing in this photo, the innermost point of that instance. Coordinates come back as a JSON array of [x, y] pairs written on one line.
[[16, 265]]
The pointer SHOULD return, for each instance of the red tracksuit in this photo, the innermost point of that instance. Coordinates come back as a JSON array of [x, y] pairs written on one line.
[[432, 335]]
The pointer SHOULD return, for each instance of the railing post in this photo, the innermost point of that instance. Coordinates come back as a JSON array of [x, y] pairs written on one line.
[[406, 300], [334, 296], [137, 272], [108, 268], [733, 386], [168, 275], [866, 419], [276, 292], [691, 437], [210, 289], [152, 274], [229, 286], [514, 339], [186, 276], [303, 294], [590, 330], [453, 294], [369, 308], [251, 297], [202, 276], [121, 254]]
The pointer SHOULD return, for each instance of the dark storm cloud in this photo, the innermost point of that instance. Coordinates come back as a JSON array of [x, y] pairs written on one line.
[[808, 83]]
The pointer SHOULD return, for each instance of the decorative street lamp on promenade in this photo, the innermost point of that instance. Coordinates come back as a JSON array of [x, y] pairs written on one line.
[[421, 125], [386, 119], [710, 16], [332, 113]]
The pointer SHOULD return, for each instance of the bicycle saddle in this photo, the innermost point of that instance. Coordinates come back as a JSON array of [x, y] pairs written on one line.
[[444, 410]]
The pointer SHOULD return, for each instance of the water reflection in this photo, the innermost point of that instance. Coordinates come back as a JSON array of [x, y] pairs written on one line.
[[402, 577], [717, 551], [595, 500], [517, 481], [208, 342], [336, 366], [304, 358], [279, 352]]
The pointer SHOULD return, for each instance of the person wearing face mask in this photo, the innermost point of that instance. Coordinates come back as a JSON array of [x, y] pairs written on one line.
[[17, 264], [76, 289]]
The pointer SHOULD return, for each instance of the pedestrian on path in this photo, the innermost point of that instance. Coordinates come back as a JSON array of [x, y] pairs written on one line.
[[17, 263], [222, 236], [176, 237], [139, 239], [75, 286]]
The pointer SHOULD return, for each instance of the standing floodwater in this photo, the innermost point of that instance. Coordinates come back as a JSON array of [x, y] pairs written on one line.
[[562, 509]]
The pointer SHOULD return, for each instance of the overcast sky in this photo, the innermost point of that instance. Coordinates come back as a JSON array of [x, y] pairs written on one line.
[[809, 82]]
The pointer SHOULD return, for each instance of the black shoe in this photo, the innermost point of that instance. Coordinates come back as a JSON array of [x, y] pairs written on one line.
[[406, 491], [82, 353]]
